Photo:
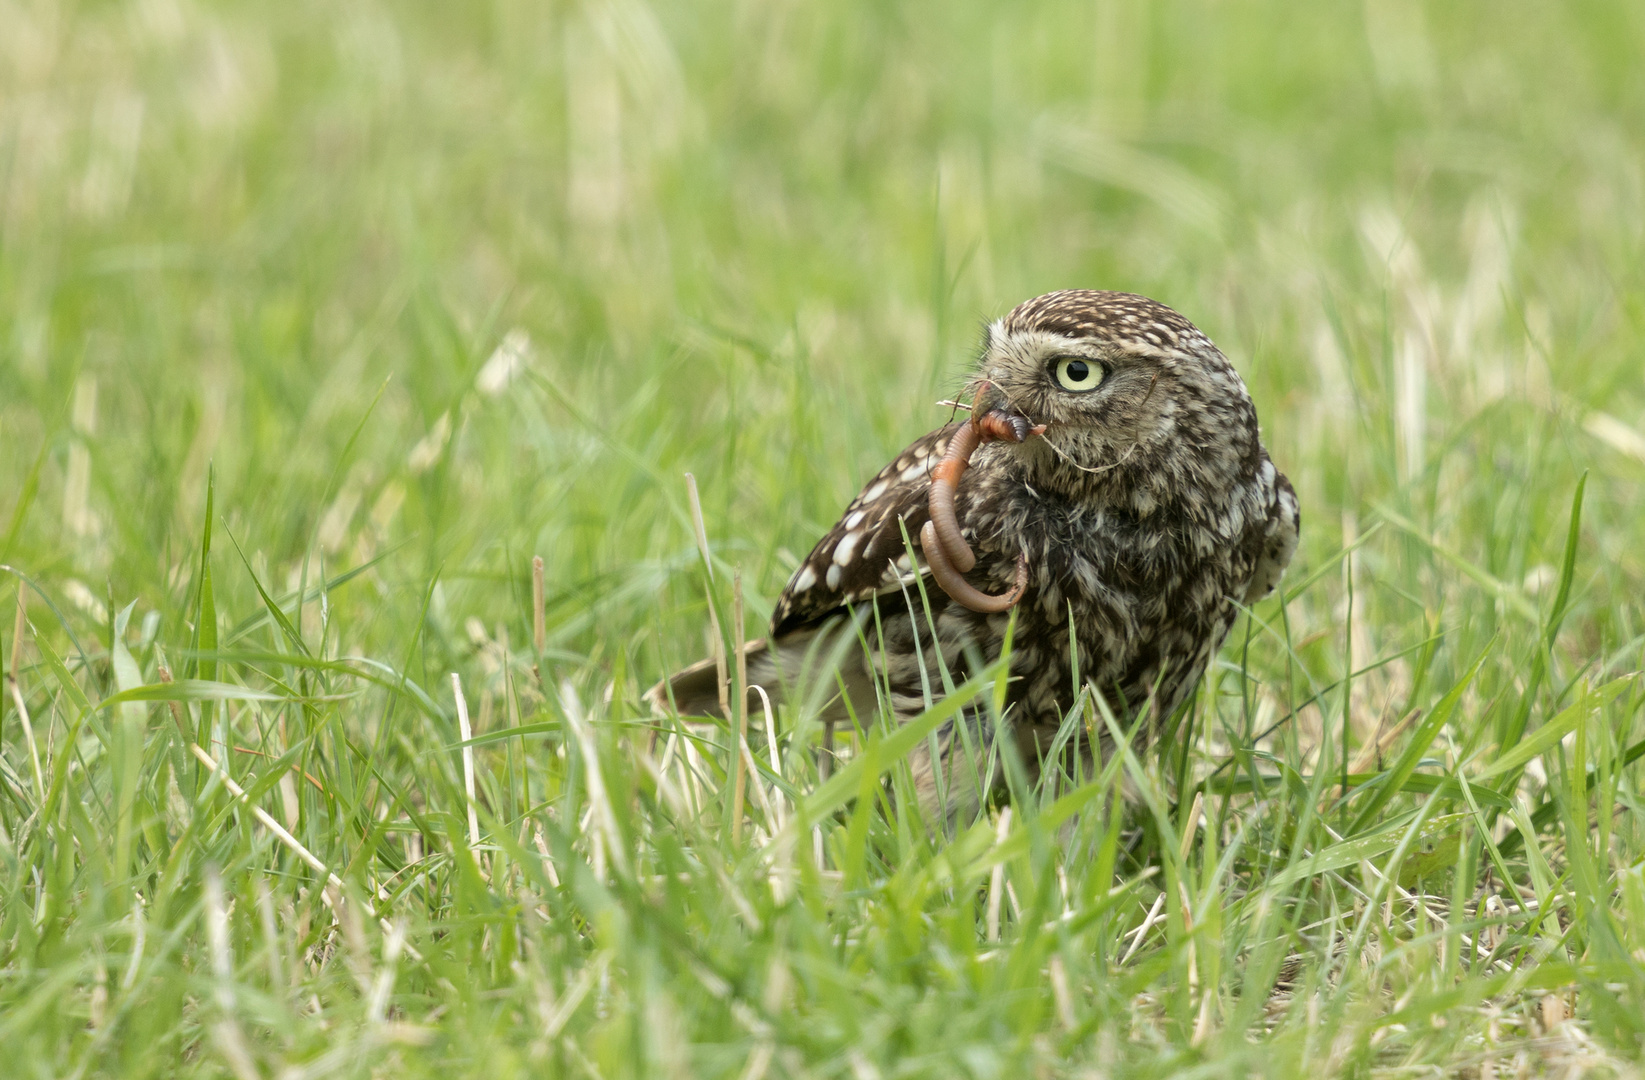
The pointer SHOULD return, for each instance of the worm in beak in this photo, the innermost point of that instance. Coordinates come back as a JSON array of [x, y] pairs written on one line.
[[946, 551]]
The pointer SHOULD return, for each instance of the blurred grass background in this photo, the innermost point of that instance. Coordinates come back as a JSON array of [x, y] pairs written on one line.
[[449, 286]]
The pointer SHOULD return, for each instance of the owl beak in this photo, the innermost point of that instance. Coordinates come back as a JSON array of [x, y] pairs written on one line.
[[999, 420]]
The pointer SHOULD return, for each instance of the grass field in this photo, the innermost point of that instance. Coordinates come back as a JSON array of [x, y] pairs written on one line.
[[319, 321]]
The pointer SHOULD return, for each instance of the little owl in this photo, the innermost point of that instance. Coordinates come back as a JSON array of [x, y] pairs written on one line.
[[1120, 506]]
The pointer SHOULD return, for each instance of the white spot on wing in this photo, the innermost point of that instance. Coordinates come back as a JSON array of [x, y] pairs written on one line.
[[846, 548], [876, 491], [832, 578], [855, 518], [806, 578]]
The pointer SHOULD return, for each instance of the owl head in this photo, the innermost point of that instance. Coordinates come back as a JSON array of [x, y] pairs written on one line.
[[1123, 386]]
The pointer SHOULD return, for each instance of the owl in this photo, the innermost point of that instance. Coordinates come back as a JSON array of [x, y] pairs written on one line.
[[1109, 491]]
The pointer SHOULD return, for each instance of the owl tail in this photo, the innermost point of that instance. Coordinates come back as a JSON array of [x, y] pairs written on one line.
[[695, 690], [813, 672]]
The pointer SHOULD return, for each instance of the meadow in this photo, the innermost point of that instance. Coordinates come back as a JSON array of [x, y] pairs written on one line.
[[319, 322]]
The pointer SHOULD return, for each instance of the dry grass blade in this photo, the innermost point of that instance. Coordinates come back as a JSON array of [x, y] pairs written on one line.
[[466, 733], [28, 737], [607, 837], [996, 877], [14, 687], [770, 737], [333, 882], [263, 817], [739, 726], [231, 1042], [1155, 914], [716, 638]]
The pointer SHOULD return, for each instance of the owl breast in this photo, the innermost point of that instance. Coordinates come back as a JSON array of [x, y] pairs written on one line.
[[1134, 604]]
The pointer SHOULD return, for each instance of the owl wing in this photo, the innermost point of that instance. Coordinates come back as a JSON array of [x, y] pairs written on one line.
[[864, 555]]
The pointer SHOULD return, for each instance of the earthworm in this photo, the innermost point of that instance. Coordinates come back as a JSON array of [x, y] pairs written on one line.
[[946, 551], [961, 591]]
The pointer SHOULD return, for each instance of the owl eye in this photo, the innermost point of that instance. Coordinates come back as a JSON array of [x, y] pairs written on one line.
[[1075, 374]]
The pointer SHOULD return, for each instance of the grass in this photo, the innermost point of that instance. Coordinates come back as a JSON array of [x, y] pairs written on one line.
[[318, 322]]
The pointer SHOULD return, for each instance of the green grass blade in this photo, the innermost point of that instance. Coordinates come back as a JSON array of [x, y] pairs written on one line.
[[1422, 738]]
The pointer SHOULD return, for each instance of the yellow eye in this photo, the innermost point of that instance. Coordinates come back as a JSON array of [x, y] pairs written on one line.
[[1075, 374]]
